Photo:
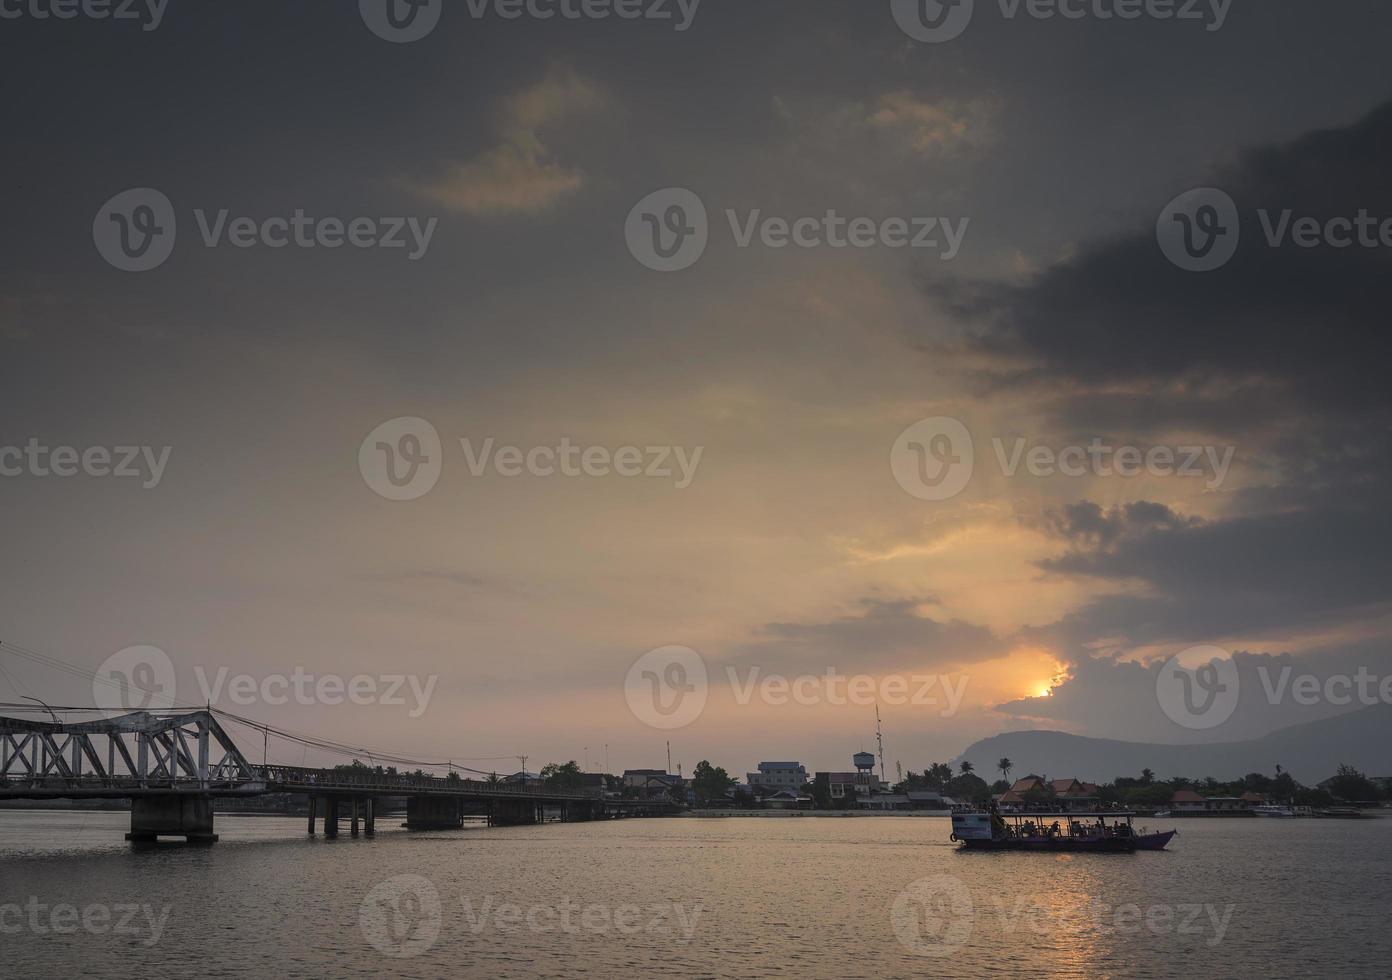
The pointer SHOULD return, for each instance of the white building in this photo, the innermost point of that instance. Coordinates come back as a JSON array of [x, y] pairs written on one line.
[[777, 776]]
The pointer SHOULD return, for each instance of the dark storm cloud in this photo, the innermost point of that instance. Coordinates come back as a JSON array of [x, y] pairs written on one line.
[[887, 633], [1305, 568], [1294, 324], [1118, 697]]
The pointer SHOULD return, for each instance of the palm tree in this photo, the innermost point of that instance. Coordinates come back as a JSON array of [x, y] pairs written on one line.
[[1147, 777], [1005, 765], [966, 768]]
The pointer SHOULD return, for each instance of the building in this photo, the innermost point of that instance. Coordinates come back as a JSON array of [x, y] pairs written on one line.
[[861, 784], [651, 782], [1187, 801], [1064, 794], [777, 776]]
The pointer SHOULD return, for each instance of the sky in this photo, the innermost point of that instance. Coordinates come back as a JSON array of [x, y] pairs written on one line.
[[796, 409]]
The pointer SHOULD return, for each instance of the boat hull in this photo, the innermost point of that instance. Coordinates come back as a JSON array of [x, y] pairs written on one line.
[[1154, 842], [1074, 845]]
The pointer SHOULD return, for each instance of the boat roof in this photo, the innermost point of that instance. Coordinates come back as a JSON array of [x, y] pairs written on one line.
[[1071, 814]]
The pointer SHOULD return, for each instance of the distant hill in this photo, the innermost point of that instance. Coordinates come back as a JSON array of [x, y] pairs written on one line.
[[1309, 752]]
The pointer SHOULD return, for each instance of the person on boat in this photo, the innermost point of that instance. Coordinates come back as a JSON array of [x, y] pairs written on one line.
[[998, 827]]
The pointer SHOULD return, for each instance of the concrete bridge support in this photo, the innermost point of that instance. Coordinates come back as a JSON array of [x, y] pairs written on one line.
[[370, 817], [575, 811], [514, 813], [353, 823], [189, 817], [433, 813], [330, 817]]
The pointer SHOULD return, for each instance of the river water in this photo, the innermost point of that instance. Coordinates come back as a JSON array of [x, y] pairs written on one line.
[[687, 897]]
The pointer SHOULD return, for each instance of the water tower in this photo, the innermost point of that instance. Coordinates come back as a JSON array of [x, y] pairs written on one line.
[[865, 771]]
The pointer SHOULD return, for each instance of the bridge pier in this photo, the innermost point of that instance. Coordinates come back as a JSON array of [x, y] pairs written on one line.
[[330, 818], [311, 816], [574, 811], [433, 813], [514, 813], [353, 825], [189, 817], [370, 817]]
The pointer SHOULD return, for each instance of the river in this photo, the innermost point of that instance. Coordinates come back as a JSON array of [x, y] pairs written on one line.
[[829, 897]]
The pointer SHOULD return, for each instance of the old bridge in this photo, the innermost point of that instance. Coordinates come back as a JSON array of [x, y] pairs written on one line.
[[172, 766]]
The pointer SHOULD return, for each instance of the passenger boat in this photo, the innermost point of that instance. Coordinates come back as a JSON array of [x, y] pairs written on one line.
[[1341, 812], [1103, 832]]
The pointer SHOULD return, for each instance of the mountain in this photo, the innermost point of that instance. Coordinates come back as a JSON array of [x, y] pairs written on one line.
[[1309, 752]]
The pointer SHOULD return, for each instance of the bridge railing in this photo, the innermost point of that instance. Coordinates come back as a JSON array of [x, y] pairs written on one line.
[[377, 780]]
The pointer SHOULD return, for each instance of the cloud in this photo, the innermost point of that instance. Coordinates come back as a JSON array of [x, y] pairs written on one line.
[[519, 174], [884, 634], [1293, 325], [938, 126], [1117, 699]]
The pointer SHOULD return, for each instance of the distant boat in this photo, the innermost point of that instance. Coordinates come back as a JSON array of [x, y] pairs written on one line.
[[1272, 810], [1053, 832], [1341, 812], [1162, 813]]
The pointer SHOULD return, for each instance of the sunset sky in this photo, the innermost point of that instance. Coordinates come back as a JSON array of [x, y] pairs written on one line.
[[794, 549]]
